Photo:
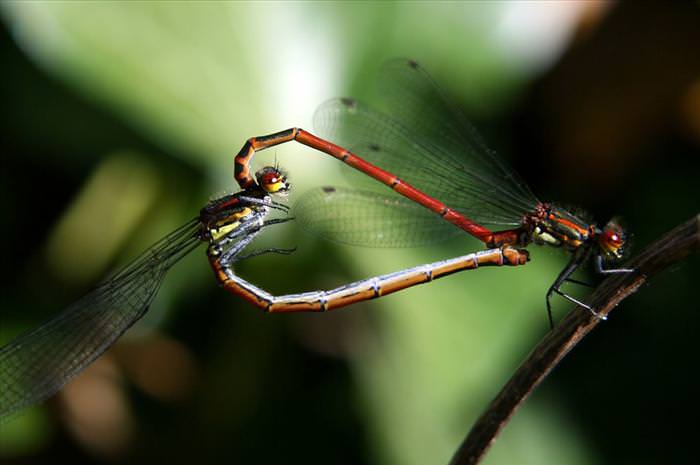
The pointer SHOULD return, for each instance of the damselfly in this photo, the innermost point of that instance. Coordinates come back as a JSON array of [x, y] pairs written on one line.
[[429, 154], [37, 364]]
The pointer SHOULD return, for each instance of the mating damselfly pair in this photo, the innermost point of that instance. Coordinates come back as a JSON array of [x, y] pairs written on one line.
[[444, 180]]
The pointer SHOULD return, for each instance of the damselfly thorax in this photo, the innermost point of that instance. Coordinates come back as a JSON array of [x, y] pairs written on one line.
[[553, 226]]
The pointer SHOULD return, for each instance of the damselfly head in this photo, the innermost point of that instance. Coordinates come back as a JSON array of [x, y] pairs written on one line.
[[272, 180], [613, 240]]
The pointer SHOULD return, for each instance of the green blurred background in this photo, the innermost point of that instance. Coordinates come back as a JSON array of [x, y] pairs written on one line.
[[119, 121]]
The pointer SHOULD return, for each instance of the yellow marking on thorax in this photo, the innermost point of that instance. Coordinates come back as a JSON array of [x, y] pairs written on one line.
[[229, 224], [546, 237]]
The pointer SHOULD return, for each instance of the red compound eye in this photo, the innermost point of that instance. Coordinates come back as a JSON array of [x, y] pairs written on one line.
[[612, 239], [269, 178]]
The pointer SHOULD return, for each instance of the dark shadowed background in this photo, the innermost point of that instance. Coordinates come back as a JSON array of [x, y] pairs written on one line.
[[119, 121]]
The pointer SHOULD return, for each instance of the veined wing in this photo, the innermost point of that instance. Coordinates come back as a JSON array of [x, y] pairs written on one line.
[[428, 143], [37, 364], [369, 218]]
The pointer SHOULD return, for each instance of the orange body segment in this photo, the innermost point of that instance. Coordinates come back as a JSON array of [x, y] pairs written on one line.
[[318, 301], [245, 179]]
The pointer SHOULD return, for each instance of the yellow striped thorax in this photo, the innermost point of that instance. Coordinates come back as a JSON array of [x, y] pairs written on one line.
[[560, 228], [224, 215], [224, 226]]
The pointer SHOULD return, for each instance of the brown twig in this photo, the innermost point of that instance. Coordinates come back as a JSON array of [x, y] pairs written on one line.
[[666, 251]]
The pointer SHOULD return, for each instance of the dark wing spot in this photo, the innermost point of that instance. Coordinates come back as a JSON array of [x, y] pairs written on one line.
[[328, 189], [413, 64], [348, 102], [374, 147]]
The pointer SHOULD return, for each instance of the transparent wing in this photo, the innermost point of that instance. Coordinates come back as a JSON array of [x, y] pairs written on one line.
[[427, 142], [369, 218], [37, 364], [414, 99]]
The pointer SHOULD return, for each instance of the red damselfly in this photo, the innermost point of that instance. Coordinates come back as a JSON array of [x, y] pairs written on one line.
[[431, 156]]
